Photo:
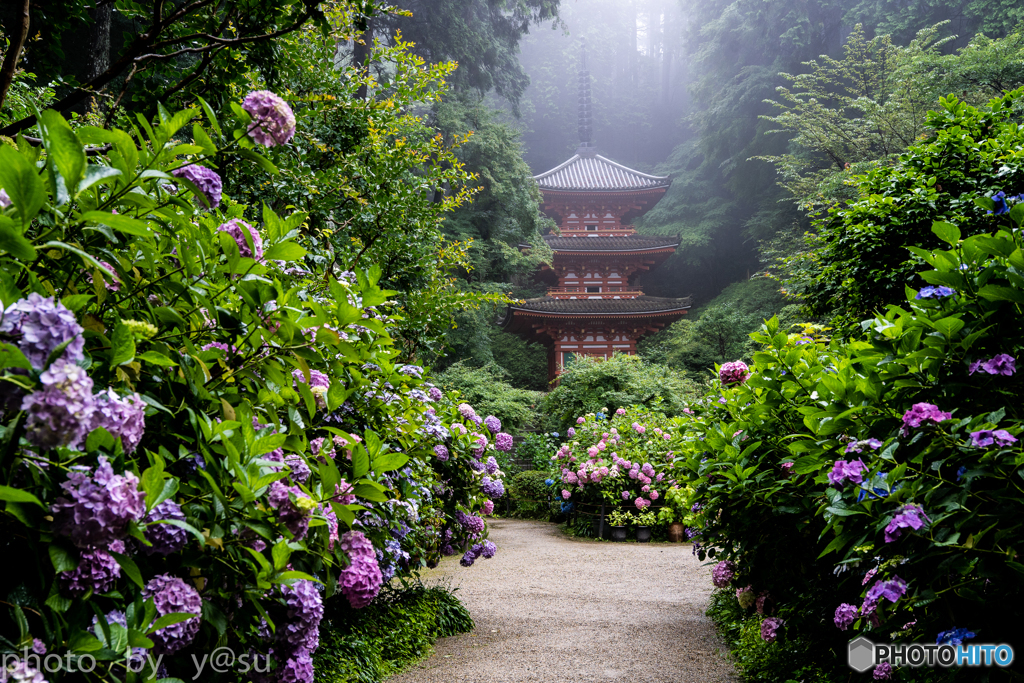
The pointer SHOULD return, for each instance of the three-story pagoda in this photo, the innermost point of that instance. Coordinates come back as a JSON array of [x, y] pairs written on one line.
[[594, 306]]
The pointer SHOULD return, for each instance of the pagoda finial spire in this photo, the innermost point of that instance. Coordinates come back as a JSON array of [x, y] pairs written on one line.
[[585, 124]]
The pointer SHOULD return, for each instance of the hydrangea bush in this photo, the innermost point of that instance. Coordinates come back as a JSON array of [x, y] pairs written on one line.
[[207, 430], [873, 485]]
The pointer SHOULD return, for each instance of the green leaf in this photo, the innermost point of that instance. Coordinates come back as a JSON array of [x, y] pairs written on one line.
[[260, 160], [126, 224], [360, 461], [12, 357], [18, 496], [999, 293], [63, 148], [122, 345], [94, 173], [156, 358], [129, 567], [281, 554], [203, 140], [843, 512], [368, 492], [13, 241], [20, 179], [61, 558], [949, 326], [947, 232], [389, 462], [168, 620], [285, 251]]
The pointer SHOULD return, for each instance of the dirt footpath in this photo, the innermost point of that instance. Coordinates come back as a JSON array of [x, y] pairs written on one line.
[[556, 609]]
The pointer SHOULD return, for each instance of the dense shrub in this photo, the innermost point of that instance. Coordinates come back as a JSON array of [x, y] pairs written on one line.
[[368, 645], [487, 389], [859, 261], [590, 385], [537, 449], [531, 496], [873, 485], [204, 418]]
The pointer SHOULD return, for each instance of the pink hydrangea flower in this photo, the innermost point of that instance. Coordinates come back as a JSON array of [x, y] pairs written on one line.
[[565, 494], [620, 411], [273, 122], [234, 228], [735, 372], [580, 420]]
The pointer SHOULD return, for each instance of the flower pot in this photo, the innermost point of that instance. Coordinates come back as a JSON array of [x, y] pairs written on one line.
[[618, 533], [643, 534], [676, 532]]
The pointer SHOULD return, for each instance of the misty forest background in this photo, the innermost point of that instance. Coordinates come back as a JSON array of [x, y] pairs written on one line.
[[761, 112]]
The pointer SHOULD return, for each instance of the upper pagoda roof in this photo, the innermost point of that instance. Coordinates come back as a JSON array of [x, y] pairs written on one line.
[[590, 172], [641, 305], [632, 243]]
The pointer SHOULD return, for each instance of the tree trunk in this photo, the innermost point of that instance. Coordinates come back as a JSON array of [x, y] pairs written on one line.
[[361, 53], [10, 65]]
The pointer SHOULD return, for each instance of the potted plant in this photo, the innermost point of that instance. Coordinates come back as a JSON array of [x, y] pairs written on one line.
[[645, 520], [672, 512], [619, 519]]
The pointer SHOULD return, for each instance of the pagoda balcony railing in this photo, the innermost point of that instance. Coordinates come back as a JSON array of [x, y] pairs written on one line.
[[605, 293]]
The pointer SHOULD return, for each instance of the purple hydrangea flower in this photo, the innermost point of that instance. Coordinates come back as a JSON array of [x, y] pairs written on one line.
[[170, 595], [859, 446], [360, 581], [317, 379], [20, 671], [299, 469], [908, 517], [892, 590], [5, 199], [99, 505], [920, 413], [1002, 364], [984, 438], [470, 556], [488, 550], [97, 570], [466, 410], [503, 442], [571, 433], [734, 372], [846, 614], [492, 423], [165, 538], [122, 417], [61, 413], [769, 629], [491, 465], [207, 181], [723, 573], [493, 489], [931, 292], [441, 451], [273, 122], [843, 471], [471, 523], [882, 672], [293, 513], [234, 228], [297, 667], [435, 394], [305, 609], [39, 325]]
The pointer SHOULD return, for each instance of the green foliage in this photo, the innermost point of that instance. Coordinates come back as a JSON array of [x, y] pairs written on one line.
[[717, 333], [241, 352], [861, 254], [591, 386], [531, 497], [487, 391], [537, 449], [763, 457], [398, 629]]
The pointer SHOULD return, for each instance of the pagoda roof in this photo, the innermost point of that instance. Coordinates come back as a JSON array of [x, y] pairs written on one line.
[[632, 243], [588, 172], [640, 306]]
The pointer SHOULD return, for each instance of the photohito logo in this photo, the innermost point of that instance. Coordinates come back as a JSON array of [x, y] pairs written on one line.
[[862, 654]]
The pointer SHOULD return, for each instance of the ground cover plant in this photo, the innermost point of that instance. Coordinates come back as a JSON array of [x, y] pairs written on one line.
[[207, 429]]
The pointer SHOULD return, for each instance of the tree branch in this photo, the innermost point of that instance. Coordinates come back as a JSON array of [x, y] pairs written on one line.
[[10, 65]]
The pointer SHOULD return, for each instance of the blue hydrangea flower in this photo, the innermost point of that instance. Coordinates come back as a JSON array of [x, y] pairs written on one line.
[[932, 292], [1000, 201], [955, 636]]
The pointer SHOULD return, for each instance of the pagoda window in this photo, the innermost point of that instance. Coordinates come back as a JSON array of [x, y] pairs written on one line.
[[593, 290], [591, 228], [567, 358]]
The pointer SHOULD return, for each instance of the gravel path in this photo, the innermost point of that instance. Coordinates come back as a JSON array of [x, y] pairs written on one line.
[[551, 608]]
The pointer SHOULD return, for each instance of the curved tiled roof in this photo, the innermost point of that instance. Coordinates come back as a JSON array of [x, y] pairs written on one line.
[[594, 173], [618, 307], [618, 244]]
